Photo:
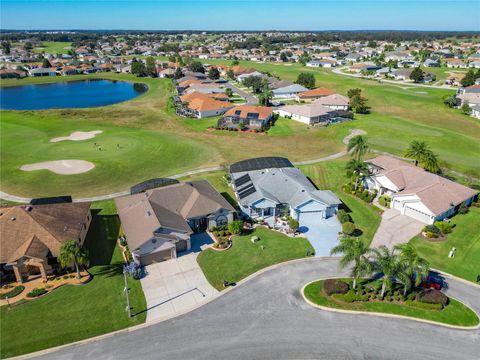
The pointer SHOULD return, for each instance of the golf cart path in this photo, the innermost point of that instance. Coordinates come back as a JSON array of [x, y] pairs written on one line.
[[353, 132]]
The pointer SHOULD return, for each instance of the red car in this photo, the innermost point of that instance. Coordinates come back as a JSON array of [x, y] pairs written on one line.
[[431, 283]]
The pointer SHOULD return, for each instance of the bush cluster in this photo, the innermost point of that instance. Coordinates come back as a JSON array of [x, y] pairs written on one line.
[[36, 292], [352, 296], [348, 228], [432, 296], [384, 200], [343, 217], [444, 227], [432, 231], [14, 292], [335, 286]]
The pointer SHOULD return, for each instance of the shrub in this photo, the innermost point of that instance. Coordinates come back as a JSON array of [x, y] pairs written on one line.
[[343, 217], [432, 229], [123, 241], [134, 270], [432, 296], [444, 227], [334, 286], [463, 209], [384, 200], [348, 228], [14, 292], [36, 292], [236, 227], [293, 224]]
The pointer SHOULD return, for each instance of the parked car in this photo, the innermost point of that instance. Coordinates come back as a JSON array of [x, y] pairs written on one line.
[[433, 281]]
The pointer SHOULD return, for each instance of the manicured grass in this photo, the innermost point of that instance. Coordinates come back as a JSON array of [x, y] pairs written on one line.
[[330, 175], [465, 238], [245, 258], [71, 313], [455, 313], [53, 47]]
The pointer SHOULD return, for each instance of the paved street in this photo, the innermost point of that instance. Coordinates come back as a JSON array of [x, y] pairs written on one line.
[[250, 99], [266, 318], [395, 229]]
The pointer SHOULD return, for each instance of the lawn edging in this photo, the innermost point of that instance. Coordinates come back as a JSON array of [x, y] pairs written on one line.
[[381, 314], [465, 281]]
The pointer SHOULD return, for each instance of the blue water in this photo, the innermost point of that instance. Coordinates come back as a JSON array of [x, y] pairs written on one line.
[[68, 94]]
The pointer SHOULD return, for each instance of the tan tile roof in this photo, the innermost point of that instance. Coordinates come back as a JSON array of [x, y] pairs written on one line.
[[435, 192], [167, 207], [263, 112], [315, 93], [205, 102], [42, 227]]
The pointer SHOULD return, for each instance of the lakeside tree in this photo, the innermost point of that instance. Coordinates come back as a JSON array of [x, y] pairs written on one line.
[[213, 73], [150, 66], [416, 75], [354, 250], [46, 63], [72, 253], [306, 79], [138, 68]]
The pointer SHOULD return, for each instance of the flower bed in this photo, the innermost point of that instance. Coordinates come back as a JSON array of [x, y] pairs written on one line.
[[430, 305], [222, 237], [17, 290]]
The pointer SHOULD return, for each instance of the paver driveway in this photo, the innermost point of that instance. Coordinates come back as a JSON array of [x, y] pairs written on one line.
[[177, 285], [395, 229]]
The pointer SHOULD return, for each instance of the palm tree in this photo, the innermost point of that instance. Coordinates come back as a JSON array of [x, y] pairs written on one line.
[[430, 162], [356, 168], [417, 150], [266, 95], [72, 252], [415, 267], [386, 262], [357, 146], [353, 249]]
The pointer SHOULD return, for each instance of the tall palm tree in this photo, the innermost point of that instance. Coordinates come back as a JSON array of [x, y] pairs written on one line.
[[430, 162], [72, 252], [386, 262], [356, 168], [415, 267], [417, 150], [357, 147], [354, 249]]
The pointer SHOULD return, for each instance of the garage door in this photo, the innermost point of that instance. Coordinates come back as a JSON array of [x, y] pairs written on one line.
[[413, 213], [181, 245], [310, 216], [156, 257], [397, 205]]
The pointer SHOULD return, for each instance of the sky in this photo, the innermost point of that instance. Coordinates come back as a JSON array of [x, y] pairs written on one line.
[[307, 15]]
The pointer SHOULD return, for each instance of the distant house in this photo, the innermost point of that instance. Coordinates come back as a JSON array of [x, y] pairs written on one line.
[[353, 57], [273, 187], [401, 74], [334, 102], [12, 74], [455, 63], [288, 92], [431, 63], [415, 192], [204, 105], [326, 63], [42, 72], [313, 94], [253, 117], [382, 71], [310, 114], [242, 77], [159, 223], [166, 73], [32, 235]]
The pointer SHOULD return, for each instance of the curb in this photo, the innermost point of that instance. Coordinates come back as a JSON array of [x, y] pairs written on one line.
[[186, 311], [395, 316], [467, 282]]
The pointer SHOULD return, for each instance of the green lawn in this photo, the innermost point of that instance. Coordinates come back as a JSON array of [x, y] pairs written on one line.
[[53, 47], [465, 238], [245, 258], [455, 313], [72, 313]]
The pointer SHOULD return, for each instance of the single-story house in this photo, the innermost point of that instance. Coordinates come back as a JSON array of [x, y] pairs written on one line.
[[313, 94], [455, 63], [42, 72], [431, 63], [242, 77], [32, 235], [158, 223], [334, 102], [204, 105], [12, 74], [415, 192], [253, 117], [269, 187], [310, 114], [401, 74], [288, 92], [166, 73]]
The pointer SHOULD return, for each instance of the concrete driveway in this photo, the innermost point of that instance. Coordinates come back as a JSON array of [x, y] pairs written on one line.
[[177, 285], [395, 229], [322, 233]]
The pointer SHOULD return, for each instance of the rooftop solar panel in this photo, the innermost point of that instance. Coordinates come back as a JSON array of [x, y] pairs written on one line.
[[246, 188], [242, 180], [247, 192], [260, 163]]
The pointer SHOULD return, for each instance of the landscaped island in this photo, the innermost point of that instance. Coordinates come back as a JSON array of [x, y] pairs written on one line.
[[425, 304]]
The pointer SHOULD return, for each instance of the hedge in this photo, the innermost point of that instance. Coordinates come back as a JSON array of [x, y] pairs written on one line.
[[36, 292], [14, 292]]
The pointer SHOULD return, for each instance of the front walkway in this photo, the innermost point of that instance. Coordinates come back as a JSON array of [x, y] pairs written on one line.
[[177, 285], [395, 229]]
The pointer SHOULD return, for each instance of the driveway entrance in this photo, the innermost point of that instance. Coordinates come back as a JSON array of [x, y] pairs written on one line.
[[395, 229], [322, 233], [174, 286]]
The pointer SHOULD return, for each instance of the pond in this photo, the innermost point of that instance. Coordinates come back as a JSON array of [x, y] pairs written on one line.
[[69, 94]]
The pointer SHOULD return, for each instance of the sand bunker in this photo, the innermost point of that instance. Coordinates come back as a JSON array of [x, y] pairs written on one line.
[[77, 136], [61, 167]]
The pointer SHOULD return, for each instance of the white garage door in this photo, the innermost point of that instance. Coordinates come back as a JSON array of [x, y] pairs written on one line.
[[425, 218], [397, 205], [310, 216]]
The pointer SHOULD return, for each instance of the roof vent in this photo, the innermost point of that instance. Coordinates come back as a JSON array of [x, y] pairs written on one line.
[[28, 208], [149, 213], [13, 218], [65, 228], [303, 190]]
